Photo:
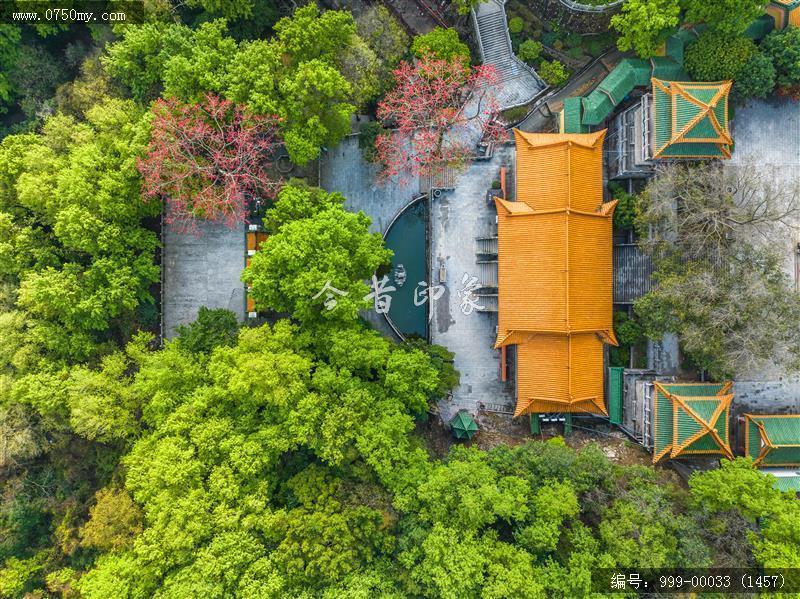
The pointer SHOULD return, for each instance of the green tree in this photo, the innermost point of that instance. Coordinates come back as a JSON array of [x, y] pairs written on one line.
[[719, 279], [311, 34], [738, 485], [644, 25], [90, 88], [443, 44], [211, 329], [72, 194], [716, 56], [332, 246], [529, 50], [726, 16], [202, 65], [386, 37], [139, 59], [34, 78], [9, 50], [360, 66], [553, 72], [230, 9], [756, 79], [114, 521], [783, 49]]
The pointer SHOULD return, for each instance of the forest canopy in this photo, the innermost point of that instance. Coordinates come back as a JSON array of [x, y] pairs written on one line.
[[293, 457]]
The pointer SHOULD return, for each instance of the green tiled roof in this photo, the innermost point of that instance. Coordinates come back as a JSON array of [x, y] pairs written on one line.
[[773, 440], [666, 68], [787, 483], [691, 419], [571, 116], [691, 119]]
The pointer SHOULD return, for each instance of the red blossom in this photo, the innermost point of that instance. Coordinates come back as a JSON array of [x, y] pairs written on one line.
[[438, 111], [208, 161]]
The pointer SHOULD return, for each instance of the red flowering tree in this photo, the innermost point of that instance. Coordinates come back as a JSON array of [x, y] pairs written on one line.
[[209, 161], [438, 111]]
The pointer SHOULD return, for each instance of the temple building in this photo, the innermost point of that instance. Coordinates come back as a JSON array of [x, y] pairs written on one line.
[[691, 419], [773, 440], [555, 273], [784, 12], [676, 120]]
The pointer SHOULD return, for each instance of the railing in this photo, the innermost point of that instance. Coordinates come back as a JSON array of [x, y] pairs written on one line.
[[603, 8], [523, 65], [432, 12]]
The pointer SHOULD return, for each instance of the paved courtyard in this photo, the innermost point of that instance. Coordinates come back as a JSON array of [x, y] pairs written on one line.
[[202, 270], [458, 217], [767, 133], [343, 169]]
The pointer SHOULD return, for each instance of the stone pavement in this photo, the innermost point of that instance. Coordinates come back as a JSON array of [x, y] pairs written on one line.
[[344, 169], [202, 270], [767, 133], [458, 217]]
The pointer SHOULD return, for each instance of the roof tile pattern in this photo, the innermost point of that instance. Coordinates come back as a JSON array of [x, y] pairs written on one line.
[[691, 418], [691, 119], [773, 440], [555, 273]]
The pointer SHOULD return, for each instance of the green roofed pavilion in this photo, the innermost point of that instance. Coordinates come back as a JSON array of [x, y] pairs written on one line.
[[690, 419], [463, 426], [691, 119], [773, 440]]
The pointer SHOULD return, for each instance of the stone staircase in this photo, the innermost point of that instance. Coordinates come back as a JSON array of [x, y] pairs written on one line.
[[519, 83]]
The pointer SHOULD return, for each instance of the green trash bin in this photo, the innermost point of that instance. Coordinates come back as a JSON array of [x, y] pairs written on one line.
[[463, 426]]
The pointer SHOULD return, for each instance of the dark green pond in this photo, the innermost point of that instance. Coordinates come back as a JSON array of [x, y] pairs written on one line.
[[406, 238]]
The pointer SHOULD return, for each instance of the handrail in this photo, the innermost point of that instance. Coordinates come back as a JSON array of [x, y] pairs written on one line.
[[435, 15], [603, 8]]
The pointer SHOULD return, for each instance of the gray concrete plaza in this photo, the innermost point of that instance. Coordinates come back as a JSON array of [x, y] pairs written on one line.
[[767, 133], [458, 217], [343, 169], [202, 270]]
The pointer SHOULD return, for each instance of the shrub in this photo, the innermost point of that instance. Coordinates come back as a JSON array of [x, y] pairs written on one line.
[[783, 49], [513, 115], [366, 141], [715, 56], [573, 40], [549, 38], [595, 48], [516, 25], [529, 50], [553, 73], [757, 78], [575, 53], [625, 212]]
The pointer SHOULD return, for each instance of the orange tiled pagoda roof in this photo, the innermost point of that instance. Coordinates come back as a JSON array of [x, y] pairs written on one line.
[[555, 271]]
